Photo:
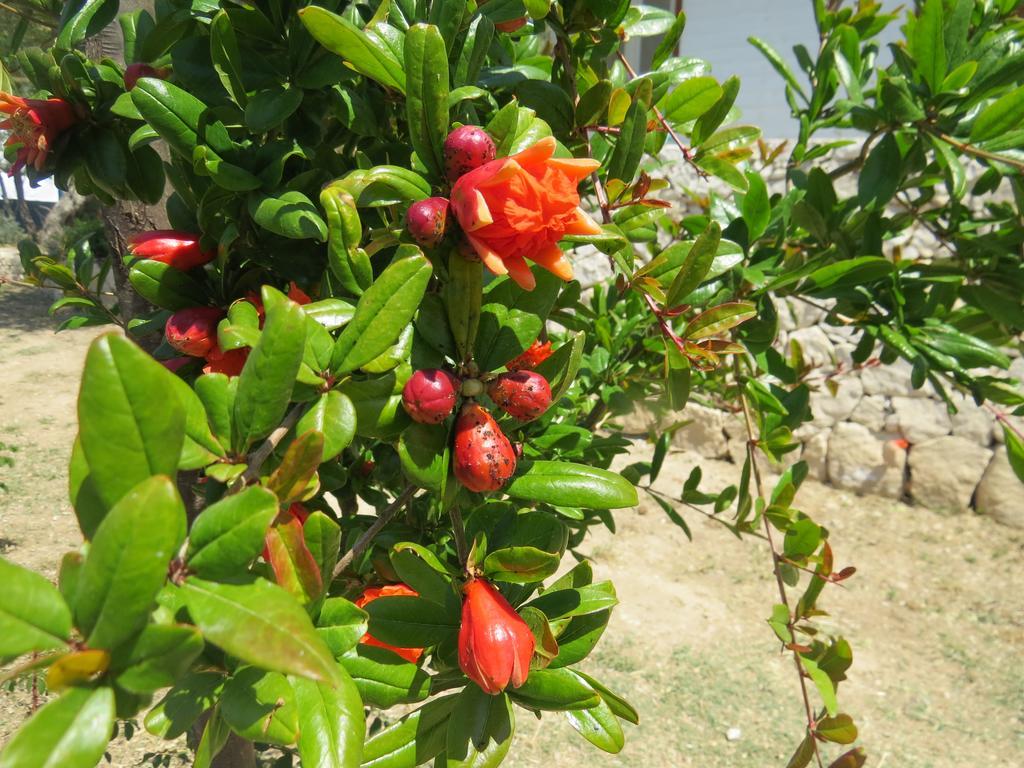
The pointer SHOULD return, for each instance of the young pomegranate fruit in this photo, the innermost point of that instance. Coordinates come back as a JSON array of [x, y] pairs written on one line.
[[429, 395], [193, 331], [467, 148], [484, 457], [524, 395], [427, 220]]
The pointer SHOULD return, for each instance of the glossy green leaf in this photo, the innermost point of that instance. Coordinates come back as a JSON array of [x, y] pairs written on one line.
[[291, 479], [1014, 450], [290, 215], [593, 103], [265, 385], [480, 730], [690, 99], [757, 209], [363, 53], [719, 319], [131, 424], [410, 622], [426, 103], [571, 485], [83, 18], [579, 638], [165, 286], [384, 678], [418, 567], [157, 658], [713, 117], [555, 690], [331, 723], [696, 266], [173, 113], [260, 705], [629, 146], [582, 600], [927, 44], [382, 313], [414, 740], [323, 540], [378, 404], [512, 318], [228, 535], [226, 58], [270, 107], [261, 624], [520, 565], [423, 451], [127, 563], [880, 177], [33, 614], [341, 624], [68, 732], [1000, 117], [192, 695], [838, 730], [599, 726]]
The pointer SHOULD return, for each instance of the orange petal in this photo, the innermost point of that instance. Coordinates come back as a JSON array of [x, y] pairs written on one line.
[[538, 152], [488, 256], [554, 261], [583, 225], [471, 210], [508, 169], [520, 272], [575, 169]]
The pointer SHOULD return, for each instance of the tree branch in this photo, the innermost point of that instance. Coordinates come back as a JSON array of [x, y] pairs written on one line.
[[383, 518]]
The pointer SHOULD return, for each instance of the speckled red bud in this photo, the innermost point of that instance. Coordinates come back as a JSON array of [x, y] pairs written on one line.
[[429, 396], [466, 148], [524, 395], [427, 220], [484, 457]]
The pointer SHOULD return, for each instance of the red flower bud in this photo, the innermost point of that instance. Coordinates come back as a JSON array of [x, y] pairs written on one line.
[[427, 220], [134, 72], [467, 148], [429, 395], [484, 459], [178, 249], [175, 364], [372, 593], [511, 26], [524, 395], [229, 363], [193, 331], [297, 295], [495, 644], [34, 125], [536, 354]]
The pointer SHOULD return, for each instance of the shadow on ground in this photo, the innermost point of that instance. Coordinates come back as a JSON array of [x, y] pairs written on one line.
[[26, 309]]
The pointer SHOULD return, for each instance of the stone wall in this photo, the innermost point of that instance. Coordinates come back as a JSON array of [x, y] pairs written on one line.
[[874, 433]]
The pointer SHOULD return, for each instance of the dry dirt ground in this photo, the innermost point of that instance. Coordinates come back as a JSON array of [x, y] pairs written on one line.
[[935, 613]]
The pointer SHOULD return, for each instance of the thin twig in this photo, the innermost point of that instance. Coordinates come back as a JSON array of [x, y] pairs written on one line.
[[261, 454], [1003, 419], [698, 510], [970, 149], [383, 518], [776, 559]]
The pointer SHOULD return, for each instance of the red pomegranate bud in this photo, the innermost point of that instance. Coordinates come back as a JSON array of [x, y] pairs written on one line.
[[175, 364], [429, 395], [523, 395], [135, 72], [495, 644], [391, 590], [229, 363], [427, 220], [467, 148], [484, 458], [537, 353], [193, 331], [178, 249], [511, 26], [296, 294], [367, 467]]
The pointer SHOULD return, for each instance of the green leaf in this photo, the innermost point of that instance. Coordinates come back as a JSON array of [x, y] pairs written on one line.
[[270, 107], [165, 286], [69, 732], [480, 730], [383, 312], [228, 535], [426, 104], [364, 54], [414, 740], [599, 726], [521, 565], [778, 64], [33, 614], [618, 705], [81, 19], [802, 539], [127, 563], [511, 318], [418, 567], [667, 47], [851, 272], [261, 624], [384, 678], [578, 639], [131, 424], [200, 447], [696, 266], [555, 690], [718, 319], [260, 705], [323, 540], [690, 99], [157, 658], [708, 122], [593, 103], [331, 723], [757, 208], [410, 622], [839, 729], [629, 146], [227, 60], [423, 451], [928, 46], [291, 479], [583, 600], [826, 688], [999, 117], [378, 404], [880, 177], [173, 113], [572, 485], [290, 215], [192, 695], [341, 624], [265, 385], [1014, 450]]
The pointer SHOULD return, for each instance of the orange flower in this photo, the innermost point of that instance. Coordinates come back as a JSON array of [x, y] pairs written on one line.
[[34, 125], [391, 590], [519, 207]]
